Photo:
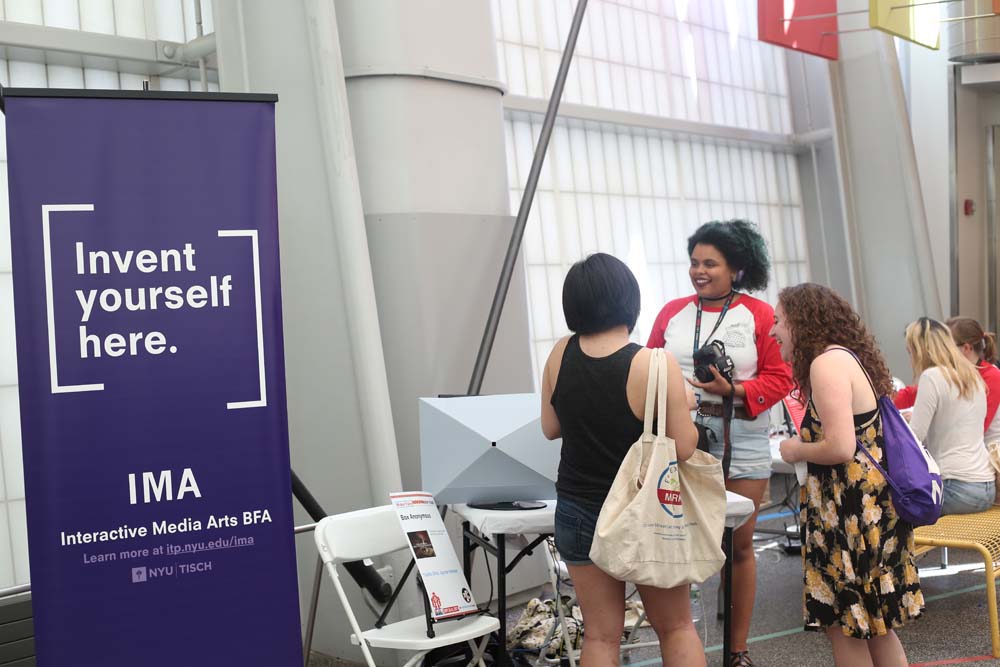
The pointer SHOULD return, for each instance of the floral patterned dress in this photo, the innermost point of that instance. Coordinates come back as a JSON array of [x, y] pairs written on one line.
[[857, 553]]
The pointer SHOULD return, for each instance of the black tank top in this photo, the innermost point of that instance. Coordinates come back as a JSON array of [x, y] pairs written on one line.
[[598, 426]]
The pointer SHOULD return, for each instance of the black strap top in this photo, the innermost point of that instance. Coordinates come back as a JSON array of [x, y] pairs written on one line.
[[598, 425]]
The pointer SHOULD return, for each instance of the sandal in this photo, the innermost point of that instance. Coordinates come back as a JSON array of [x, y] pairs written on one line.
[[741, 659]]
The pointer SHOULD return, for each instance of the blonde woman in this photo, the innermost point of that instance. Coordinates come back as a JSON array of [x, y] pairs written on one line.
[[948, 416]]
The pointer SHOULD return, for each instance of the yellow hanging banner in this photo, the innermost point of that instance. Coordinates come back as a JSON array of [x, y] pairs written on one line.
[[918, 21]]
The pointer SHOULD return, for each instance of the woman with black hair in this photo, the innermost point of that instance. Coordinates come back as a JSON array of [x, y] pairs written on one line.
[[594, 398], [727, 259]]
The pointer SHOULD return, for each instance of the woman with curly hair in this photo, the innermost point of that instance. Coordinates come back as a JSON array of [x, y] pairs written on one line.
[[860, 579], [728, 259]]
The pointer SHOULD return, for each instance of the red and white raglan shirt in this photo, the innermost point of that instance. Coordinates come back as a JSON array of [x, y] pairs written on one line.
[[744, 331]]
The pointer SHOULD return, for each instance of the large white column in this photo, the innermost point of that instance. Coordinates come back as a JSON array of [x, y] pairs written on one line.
[[426, 110]]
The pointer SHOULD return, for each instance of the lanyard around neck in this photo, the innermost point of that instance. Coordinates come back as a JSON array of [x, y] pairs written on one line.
[[697, 321]]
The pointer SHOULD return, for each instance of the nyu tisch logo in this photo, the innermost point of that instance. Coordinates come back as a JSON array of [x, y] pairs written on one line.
[[668, 493]]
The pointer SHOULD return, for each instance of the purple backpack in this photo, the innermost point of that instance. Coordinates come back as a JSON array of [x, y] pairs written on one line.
[[915, 483]]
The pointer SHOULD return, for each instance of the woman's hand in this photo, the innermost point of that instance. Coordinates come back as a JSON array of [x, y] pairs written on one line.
[[718, 386], [791, 450]]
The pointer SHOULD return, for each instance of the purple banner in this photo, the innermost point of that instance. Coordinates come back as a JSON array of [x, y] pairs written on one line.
[[149, 350]]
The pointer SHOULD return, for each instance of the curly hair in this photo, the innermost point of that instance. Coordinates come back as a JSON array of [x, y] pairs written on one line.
[[744, 248], [818, 317]]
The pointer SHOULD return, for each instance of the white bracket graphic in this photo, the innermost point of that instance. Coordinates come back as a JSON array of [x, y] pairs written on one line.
[[262, 401], [47, 210]]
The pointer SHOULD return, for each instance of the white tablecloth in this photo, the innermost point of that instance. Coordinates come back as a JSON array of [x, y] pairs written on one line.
[[542, 521]]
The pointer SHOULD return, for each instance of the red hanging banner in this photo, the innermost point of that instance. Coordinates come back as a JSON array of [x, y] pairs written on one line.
[[809, 26]]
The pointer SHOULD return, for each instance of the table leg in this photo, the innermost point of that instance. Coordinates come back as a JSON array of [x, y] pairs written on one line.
[[727, 579], [466, 553], [501, 657]]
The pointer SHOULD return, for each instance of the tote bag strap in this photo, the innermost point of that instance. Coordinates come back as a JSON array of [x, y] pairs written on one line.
[[647, 421], [661, 411]]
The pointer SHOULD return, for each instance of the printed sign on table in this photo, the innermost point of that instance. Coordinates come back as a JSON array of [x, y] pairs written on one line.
[[151, 379], [444, 582]]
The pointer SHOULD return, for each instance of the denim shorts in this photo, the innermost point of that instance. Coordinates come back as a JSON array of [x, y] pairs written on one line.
[[751, 450], [967, 497], [575, 526]]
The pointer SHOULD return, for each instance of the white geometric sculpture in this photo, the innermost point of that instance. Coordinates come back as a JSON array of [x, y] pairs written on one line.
[[477, 449]]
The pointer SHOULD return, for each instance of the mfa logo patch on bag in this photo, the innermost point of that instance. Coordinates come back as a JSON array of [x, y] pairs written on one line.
[[668, 491]]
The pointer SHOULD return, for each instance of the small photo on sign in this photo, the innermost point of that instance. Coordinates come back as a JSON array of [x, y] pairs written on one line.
[[420, 540]]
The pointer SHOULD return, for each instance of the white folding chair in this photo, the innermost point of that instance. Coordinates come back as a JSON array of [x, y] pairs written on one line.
[[374, 532]]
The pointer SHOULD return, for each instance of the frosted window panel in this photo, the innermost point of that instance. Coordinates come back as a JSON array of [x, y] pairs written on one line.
[[678, 231], [169, 20], [6, 551], [171, 83], [19, 535], [8, 352], [744, 109], [24, 11], [629, 36], [781, 173], [728, 97], [662, 85], [619, 226], [97, 16], [602, 220], [10, 444], [643, 169], [725, 173], [534, 244], [510, 21], [700, 172], [793, 179], [65, 77], [673, 38], [515, 70], [588, 81], [555, 276], [533, 73], [705, 42], [683, 279], [661, 217], [564, 17], [756, 58], [584, 41], [100, 79], [61, 14], [605, 91], [667, 8], [627, 155], [797, 226], [730, 211], [634, 88], [552, 59], [526, 16], [678, 98], [524, 150], [540, 315], [545, 201], [497, 19], [643, 42], [735, 171], [715, 211], [595, 155], [27, 75], [619, 87], [647, 213], [596, 23], [130, 20], [571, 93], [647, 89], [657, 170], [670, 167], [613, 31], [569, 228], [581, 167], [612, 162], [502, 61], [712, 172], [685, 166], [588, 226], [772, 182], [657, 46], [718, 115]]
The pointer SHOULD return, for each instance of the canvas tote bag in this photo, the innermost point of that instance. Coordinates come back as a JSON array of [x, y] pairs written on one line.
[[661, 524]]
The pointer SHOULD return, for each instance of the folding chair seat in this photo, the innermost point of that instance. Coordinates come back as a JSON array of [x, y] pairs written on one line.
[[375, 532]]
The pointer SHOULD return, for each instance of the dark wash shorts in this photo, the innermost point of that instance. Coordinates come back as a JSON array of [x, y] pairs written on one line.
[[575, 526]]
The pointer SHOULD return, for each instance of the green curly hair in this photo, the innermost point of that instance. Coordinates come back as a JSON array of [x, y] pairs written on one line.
[[744, 248]]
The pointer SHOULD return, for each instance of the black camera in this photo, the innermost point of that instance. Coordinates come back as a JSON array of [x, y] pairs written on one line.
[[713, 354]]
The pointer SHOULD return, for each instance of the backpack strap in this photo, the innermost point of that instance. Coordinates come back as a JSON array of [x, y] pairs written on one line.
[[878, 407]]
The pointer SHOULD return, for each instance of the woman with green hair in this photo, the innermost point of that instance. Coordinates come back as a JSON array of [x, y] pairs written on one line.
[[729, 259]]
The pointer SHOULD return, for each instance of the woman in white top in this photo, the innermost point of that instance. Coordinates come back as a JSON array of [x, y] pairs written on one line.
[[948, 416]]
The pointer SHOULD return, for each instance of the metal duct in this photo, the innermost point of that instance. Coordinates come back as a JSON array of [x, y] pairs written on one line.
[[972, 40]]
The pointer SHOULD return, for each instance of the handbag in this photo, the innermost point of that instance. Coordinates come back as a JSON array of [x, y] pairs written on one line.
[[993, 449], [915, 485], [662, 521]]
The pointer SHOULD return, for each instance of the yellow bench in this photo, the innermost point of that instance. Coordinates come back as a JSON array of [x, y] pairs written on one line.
[[978, 532]]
